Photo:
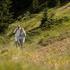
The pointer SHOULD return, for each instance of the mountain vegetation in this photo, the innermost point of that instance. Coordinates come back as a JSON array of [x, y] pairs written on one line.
[[47, 26]]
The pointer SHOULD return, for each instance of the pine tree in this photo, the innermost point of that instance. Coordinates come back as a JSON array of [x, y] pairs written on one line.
[[58, 3], [53, 3], [35, 5], [45, 18], [5, 14]]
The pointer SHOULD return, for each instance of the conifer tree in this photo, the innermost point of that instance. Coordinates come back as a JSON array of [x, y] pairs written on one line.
[[53, 3], [35, 5], [5, 14]]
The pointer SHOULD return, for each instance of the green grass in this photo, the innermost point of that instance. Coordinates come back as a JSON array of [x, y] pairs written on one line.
[[34, 56]]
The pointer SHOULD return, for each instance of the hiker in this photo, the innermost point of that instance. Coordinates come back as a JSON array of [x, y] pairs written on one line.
[[19, 36]]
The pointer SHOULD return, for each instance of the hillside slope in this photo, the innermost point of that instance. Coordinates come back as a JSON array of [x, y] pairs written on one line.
[[47, 49]]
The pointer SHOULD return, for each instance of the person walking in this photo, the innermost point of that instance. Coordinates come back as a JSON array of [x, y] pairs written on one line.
[[20, 35]]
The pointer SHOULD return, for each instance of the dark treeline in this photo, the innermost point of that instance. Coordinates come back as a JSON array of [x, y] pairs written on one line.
[[11, 9], [20, 6]]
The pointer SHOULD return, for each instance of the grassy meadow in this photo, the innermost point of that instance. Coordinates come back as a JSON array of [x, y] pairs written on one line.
[[47, 49]]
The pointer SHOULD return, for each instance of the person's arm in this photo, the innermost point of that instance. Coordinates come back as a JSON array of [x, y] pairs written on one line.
[[15, 31], [24, 32]]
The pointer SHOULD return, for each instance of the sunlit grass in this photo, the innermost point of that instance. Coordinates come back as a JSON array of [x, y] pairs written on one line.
[[34, 56]]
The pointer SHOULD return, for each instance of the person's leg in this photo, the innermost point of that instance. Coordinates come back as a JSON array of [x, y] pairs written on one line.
[[21, 43], [23, 40], [16, 43]]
